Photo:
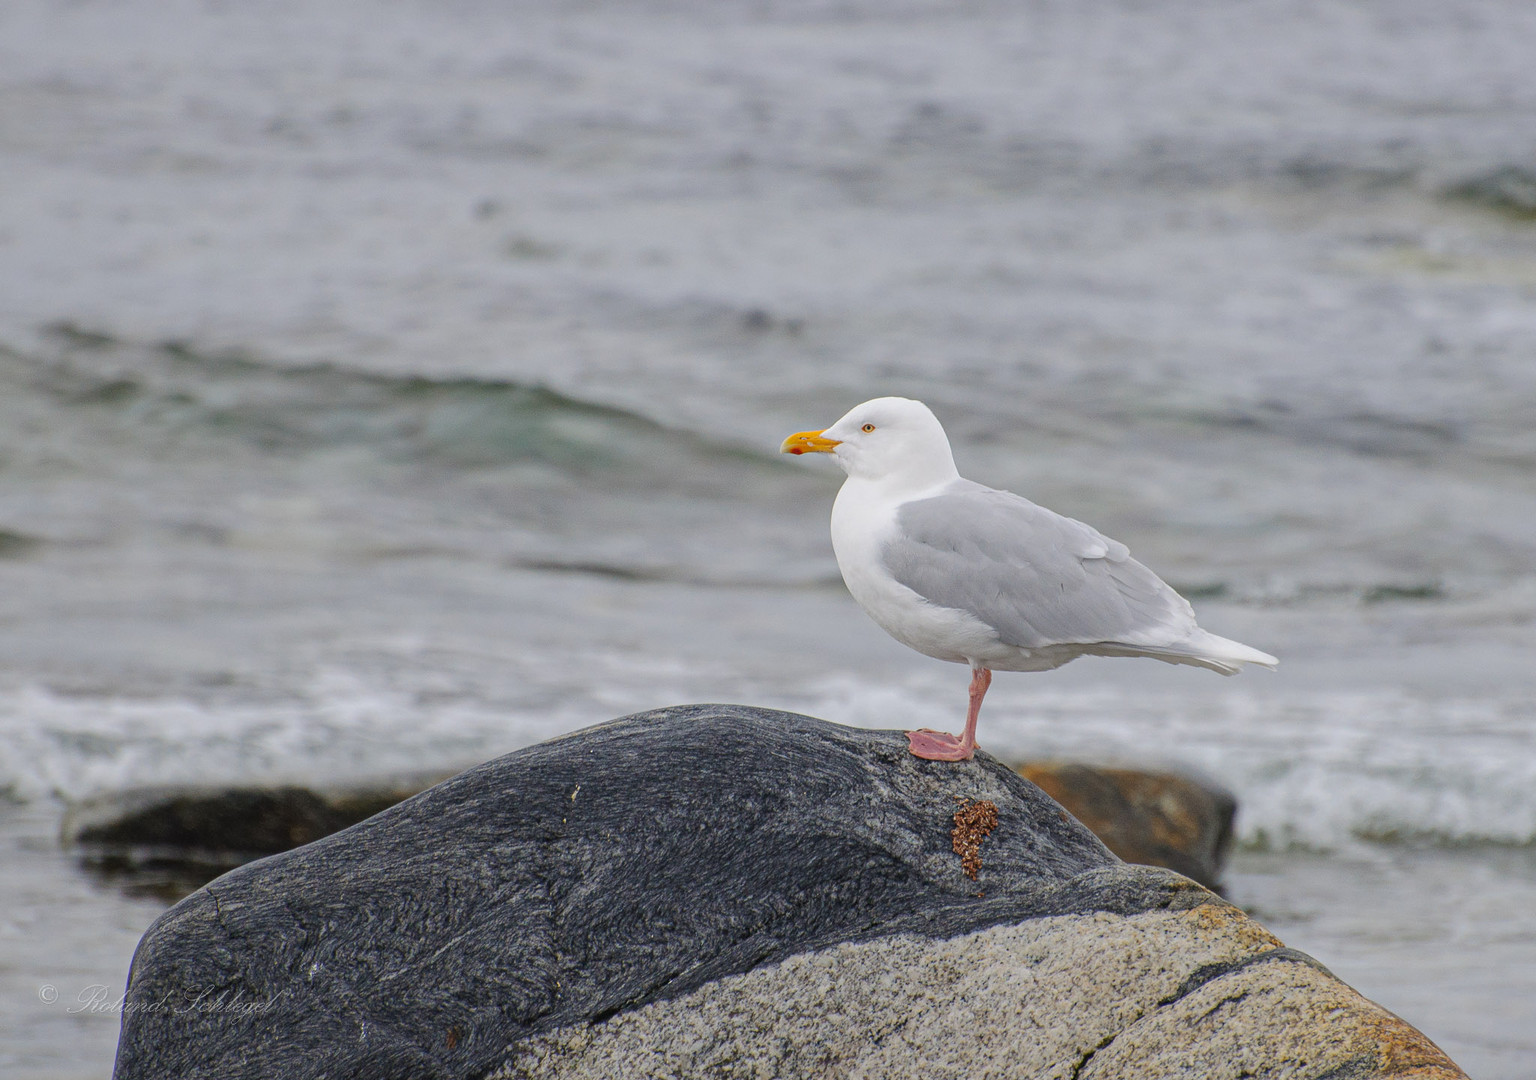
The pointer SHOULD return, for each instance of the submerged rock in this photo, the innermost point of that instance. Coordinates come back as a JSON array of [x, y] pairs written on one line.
[[727, 891], [1153, 818]]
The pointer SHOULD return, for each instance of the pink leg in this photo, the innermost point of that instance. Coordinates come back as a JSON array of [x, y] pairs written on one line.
[[981, 680], [938, 746]]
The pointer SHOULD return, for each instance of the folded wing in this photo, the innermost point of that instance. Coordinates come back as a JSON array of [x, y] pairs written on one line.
[[1040, 579]]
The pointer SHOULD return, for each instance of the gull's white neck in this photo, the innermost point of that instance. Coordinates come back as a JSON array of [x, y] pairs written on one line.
[[897, 487], [864, 513]]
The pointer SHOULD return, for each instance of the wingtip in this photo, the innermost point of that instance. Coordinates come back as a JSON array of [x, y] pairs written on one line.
[[1234, 654], [1263, 660]]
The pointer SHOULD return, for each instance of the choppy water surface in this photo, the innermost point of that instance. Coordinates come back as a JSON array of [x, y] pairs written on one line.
[[388, 386]]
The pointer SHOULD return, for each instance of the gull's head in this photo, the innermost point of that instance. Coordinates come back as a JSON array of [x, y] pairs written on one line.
[[887, 439]]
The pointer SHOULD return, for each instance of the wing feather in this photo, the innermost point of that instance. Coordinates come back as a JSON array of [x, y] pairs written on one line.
[[1034, 576]]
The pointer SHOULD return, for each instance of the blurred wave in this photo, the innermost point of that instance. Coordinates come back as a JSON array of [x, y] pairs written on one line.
[[172, 390], [114, 443]]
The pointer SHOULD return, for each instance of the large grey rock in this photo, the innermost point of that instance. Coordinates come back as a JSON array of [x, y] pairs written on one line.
[[526, 911]]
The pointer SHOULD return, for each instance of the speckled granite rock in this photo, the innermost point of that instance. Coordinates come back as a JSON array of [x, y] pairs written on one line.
[[534, 912], [1152, 818], [1202, 992]]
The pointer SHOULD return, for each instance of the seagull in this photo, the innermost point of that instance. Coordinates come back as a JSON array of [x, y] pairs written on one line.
[[966, 573]]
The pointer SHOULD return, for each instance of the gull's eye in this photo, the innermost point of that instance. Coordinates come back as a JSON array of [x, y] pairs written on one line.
[[867, 428]]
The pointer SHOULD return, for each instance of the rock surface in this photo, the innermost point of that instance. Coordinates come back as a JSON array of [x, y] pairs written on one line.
[[1152, 818], [726, 891]]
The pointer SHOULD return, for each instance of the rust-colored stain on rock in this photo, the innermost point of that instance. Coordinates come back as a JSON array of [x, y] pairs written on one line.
[[974, 822], [1403, 1050]]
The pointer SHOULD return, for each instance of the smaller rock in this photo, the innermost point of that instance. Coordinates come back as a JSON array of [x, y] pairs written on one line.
[[167, 842], [1152, 818]]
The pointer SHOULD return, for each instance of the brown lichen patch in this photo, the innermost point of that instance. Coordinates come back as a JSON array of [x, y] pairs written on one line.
[[974, 822]]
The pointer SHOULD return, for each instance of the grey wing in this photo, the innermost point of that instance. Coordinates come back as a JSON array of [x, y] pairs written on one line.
[[1034, 576]]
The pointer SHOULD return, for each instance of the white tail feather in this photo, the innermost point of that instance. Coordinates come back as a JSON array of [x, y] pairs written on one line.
[[1202, 649]]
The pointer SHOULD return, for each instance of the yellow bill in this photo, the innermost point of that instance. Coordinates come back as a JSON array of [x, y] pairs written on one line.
[[808, 442]]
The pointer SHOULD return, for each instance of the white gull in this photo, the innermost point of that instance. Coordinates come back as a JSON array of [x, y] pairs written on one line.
[[966, 573]]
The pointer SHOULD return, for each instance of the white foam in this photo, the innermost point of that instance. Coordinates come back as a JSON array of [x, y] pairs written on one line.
[[69, 747]]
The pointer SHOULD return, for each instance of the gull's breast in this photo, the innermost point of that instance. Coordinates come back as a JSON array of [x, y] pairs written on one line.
[[862, 525]]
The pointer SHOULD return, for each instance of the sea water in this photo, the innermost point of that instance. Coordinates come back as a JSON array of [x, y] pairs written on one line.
[[387, 386]]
